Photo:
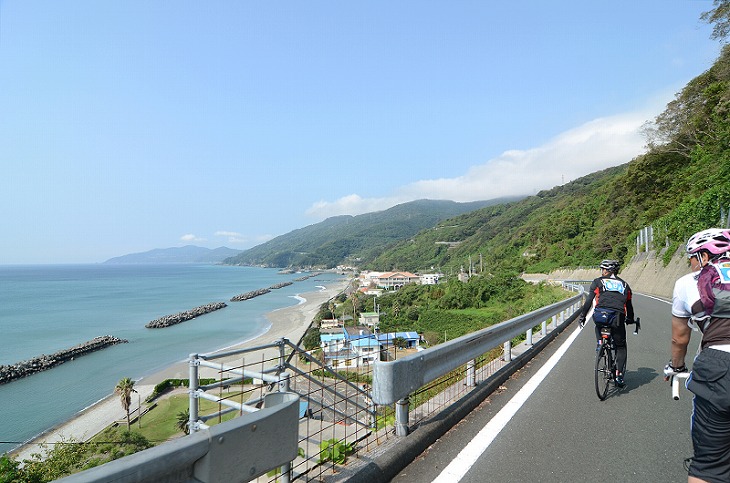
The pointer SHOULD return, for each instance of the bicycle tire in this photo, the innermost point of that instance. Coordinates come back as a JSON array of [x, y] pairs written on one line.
[[603, 373]]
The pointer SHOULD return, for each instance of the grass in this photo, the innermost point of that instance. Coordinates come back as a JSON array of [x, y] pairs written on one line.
[[160, 423]]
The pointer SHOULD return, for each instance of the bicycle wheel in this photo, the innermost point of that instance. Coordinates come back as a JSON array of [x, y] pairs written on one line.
[[603, 373]]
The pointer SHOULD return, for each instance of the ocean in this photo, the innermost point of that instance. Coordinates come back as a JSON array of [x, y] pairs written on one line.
[[47, 308]]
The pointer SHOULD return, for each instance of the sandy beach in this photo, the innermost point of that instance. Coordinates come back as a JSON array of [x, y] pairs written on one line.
[[289, 322]]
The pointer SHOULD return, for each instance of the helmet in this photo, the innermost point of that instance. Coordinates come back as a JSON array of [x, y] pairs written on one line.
[[715, 240], [610, 265]]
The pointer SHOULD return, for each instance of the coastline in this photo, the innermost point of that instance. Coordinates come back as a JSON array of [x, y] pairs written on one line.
[[287, 322]]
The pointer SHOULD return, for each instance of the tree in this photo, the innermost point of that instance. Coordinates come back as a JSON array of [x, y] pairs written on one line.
[[183, 421], [125, 388], [720, 17]]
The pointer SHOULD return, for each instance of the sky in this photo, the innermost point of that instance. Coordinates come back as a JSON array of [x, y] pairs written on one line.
[[131, 125]]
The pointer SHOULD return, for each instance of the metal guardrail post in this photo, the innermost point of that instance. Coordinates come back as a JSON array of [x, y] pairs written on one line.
[[193, 393], [528, 336], [507, 356], [471, 373], [401, 417], [554, 322]]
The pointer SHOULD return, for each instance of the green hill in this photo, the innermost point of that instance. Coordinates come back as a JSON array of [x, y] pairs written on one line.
[[681, 185], [346, 239]]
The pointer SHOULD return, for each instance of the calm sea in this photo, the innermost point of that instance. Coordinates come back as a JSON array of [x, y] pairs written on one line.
[[44, 309]]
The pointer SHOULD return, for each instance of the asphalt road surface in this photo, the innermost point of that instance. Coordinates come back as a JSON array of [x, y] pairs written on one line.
[[563, 432]]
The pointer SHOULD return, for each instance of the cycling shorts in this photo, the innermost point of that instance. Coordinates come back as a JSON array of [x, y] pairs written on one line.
[[710, 383]]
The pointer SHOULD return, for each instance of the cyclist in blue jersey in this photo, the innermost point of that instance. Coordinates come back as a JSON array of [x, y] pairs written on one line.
[[613, 308]]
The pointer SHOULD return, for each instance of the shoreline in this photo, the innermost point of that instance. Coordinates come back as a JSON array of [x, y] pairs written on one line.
[[287, 322]]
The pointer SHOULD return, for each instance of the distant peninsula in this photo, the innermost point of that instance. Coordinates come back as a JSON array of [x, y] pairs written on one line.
[[186, 254]]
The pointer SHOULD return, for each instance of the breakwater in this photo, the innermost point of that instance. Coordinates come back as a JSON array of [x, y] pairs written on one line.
[[43, 362], [173, 319], [280, 285], [250, 295]]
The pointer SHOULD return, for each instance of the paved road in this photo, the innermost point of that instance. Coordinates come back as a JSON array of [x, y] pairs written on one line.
[[563, 433]]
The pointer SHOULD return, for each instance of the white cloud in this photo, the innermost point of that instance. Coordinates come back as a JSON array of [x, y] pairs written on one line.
[[591, 147], [191, 238]]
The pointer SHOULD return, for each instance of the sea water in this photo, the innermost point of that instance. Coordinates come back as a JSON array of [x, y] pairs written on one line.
[[44, 309]]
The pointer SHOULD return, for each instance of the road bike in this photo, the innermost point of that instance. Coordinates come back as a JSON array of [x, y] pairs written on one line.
[[605, 372]]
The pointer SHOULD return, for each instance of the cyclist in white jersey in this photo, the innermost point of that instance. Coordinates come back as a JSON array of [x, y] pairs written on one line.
[[710, 378]]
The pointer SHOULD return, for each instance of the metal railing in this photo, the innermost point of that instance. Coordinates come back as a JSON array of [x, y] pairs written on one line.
[[394, 381], [237, 450], [337, 418]]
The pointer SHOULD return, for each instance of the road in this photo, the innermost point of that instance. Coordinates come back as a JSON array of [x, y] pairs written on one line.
[[563, 433]]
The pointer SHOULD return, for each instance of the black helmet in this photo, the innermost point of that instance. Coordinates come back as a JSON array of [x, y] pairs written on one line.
[[610, 265]]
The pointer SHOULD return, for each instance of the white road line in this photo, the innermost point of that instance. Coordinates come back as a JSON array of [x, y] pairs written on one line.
[[468, 456]]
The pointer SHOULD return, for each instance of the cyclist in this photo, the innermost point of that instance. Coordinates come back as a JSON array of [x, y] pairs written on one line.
[[613, 307], [710, 378]]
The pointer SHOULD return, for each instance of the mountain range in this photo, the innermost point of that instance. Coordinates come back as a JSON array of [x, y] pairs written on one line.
[[186, 254], [347, 239]]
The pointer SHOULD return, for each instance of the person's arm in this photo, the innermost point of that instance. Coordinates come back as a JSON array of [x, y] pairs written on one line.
[[590, 295], [681, 334], [630, 307]]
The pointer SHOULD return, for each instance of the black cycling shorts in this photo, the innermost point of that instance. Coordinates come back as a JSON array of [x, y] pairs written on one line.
[[710, 383]]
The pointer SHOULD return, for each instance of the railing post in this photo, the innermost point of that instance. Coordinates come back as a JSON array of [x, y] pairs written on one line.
[[554, 322], [401, 417], [471, 373], [193, 393], [507, 356], [543, 328], [528, 337]]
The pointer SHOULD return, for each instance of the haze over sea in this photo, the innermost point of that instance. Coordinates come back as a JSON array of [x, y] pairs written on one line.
[[47, 308]]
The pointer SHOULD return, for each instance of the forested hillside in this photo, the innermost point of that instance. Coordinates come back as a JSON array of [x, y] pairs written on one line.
[[681, 185], [345, 239]]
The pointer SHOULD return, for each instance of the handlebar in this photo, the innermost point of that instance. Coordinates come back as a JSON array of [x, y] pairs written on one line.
[[675, 384], [637, 325]]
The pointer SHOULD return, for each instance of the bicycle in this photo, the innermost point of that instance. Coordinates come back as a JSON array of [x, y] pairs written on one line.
[[605, 372]]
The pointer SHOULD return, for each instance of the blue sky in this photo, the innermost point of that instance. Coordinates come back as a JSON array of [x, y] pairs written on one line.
[[132, 125]]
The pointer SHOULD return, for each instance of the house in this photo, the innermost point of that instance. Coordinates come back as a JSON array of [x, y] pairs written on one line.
[[331, 341], [395, 280], [329, 323], [369, 319], [430, 278], [412, 339], [351, 347]]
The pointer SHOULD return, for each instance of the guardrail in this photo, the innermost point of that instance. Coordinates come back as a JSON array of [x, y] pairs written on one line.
[[394, 381], [316, 409], [234, 451]]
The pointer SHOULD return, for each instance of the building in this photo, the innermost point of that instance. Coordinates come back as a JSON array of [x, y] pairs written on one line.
[[412, 339], [395, 280], [369, 319], [430, 278], [351, 347]]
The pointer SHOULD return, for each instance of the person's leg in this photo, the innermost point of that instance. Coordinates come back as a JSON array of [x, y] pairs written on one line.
[[710, 383], [619, 340]]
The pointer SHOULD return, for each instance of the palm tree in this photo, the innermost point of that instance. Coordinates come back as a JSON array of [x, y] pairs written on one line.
[[183, 421], [125, 388]]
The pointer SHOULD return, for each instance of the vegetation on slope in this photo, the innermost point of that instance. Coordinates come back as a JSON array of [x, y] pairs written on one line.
[[345, 239], [681, 185]]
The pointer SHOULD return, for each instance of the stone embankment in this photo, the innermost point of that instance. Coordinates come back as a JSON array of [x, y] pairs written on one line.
[[646, 273], [169, 320], [250, 295], [280, 285], [43, 362], [306, 277]]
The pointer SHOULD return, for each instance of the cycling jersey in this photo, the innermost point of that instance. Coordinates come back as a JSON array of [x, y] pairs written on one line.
[[610, 292], [714, 293], [686, 297]]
